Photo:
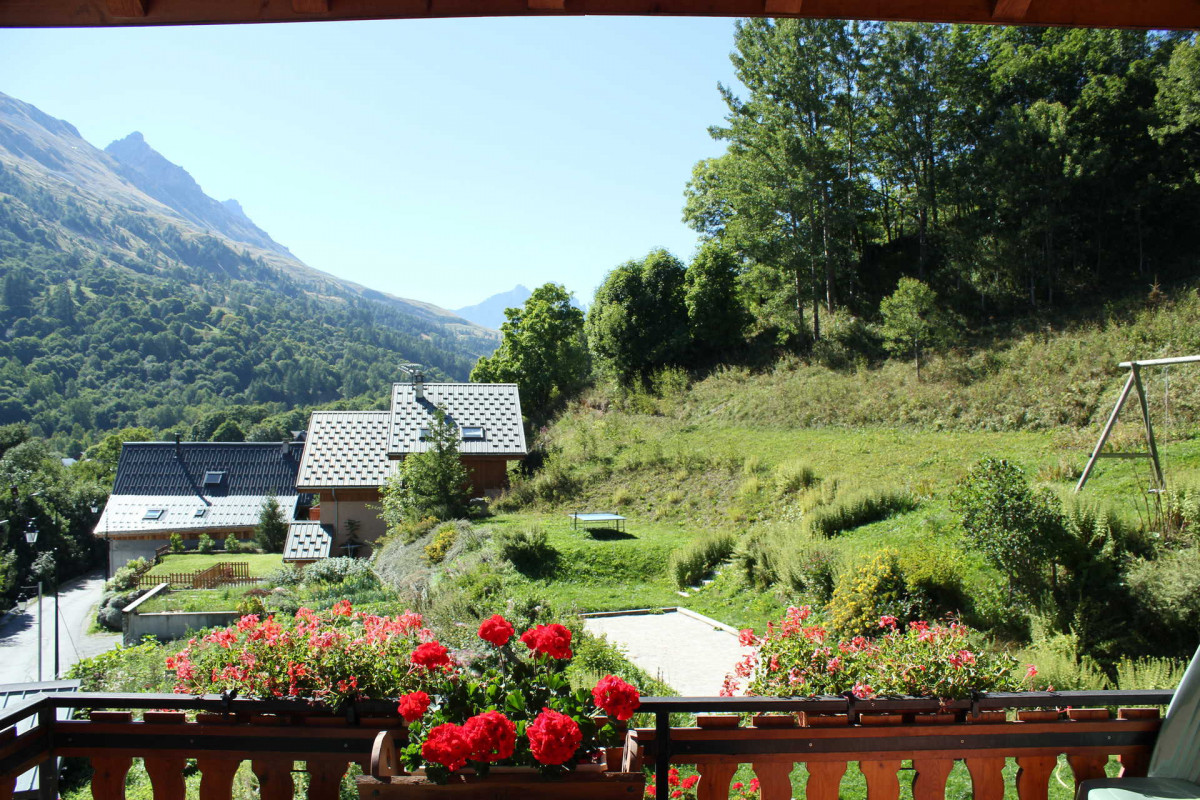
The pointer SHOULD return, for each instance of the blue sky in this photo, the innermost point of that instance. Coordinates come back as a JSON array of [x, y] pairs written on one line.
[[442, 160]]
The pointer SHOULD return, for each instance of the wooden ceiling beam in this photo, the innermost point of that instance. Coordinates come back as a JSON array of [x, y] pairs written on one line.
[[1010, 10], [1143, 14], [126, 8]]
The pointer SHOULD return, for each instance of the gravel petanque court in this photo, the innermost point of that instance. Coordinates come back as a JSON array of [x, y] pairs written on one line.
[[686, 650]]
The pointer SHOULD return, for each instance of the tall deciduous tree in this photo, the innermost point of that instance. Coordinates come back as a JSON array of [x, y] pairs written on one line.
[[717, 319], [543, 351], [638, 322]]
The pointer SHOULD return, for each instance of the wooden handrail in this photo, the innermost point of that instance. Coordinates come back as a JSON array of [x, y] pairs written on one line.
[[221, 732]]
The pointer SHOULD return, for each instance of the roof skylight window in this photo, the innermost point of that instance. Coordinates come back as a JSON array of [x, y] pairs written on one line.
[[214, 477], [472, 433], [425, 434], [200, 511], [154, 513]]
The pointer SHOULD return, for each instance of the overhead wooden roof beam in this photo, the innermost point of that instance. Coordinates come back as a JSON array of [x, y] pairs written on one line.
[[1144, 14], [126, 8], [310, 6], [1010, 10]]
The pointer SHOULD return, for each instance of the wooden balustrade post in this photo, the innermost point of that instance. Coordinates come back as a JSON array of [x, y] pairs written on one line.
[[824, 780], [882, 780], [774, 779], [929, 783], [274, 778], [108, 777], [715, 778], [8, 784], [1033, 776], [987, 777], [1087, 767], [166, 769], [325, 778], [216, 776]]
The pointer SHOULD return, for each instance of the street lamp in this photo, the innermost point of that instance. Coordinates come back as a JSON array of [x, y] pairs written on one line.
[[31, 536]]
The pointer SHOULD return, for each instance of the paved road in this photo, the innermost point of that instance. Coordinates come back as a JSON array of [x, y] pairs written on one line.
[[19, 633]]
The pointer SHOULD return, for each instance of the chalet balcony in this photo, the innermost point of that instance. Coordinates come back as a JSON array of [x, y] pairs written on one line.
[[884, 737]]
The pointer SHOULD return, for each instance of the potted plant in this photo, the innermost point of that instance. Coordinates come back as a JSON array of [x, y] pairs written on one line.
[[513, 707], [800, 657]]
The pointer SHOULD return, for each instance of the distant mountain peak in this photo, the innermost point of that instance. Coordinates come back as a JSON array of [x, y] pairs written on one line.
[[173, 186], [490, 313]]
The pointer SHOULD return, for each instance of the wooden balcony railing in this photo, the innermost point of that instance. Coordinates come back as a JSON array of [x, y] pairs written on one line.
[[824, 733]]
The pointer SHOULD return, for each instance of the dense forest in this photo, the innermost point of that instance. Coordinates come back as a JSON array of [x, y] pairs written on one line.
[[156, 327], [1010, 169]]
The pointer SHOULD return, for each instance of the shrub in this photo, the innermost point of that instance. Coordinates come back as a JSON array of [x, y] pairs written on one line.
[[1062, 666], [1016, 529], [689, 565], [859, 508], [231, 544], [126, 576], [109, 613], [810, 569], [793, 476], [1150, 673], [443, 540], [271, 531], [878, 588], [176, 543], [528, 549], [206, 544], [334, 570], [1166, 587]]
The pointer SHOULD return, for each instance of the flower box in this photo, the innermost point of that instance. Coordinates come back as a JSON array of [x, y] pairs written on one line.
[[501, 785]]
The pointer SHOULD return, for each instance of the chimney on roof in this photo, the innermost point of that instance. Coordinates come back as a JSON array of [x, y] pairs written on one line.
[[417, 378], [178, 449], [285, 450]]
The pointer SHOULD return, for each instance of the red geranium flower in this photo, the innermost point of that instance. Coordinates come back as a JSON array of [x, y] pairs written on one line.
[[492, 736], [431, 655], [496, 630], [446, 745], [551, 640], [616, 698], [342, 608], [553, 737], [413, 706]]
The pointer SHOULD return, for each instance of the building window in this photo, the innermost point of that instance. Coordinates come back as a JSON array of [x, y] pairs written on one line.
[[214, 477], [425, 434], [154, 513], [200, 511], [470, 433]]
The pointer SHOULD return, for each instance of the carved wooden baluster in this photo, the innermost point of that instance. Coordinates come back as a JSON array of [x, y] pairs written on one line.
[[882, 781], [774, 779], [714, 780], [216, 776], [325, 778], [274, 778], [108, 776], [166, 770], [929, 783], [1087, 767], [1135, 763], [824, 779], [1033, 776], [987, 777]]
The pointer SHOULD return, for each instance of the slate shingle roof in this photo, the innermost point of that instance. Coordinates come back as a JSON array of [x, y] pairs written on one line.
[[158, 475], [346, 449], [307, 541], [257, 468], [126, 513], [495, 407]]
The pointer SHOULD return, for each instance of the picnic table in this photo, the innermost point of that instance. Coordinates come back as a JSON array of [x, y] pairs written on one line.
[[598, 519]]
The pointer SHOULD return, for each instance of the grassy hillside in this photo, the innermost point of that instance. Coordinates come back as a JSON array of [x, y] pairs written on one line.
[[811, 473]]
